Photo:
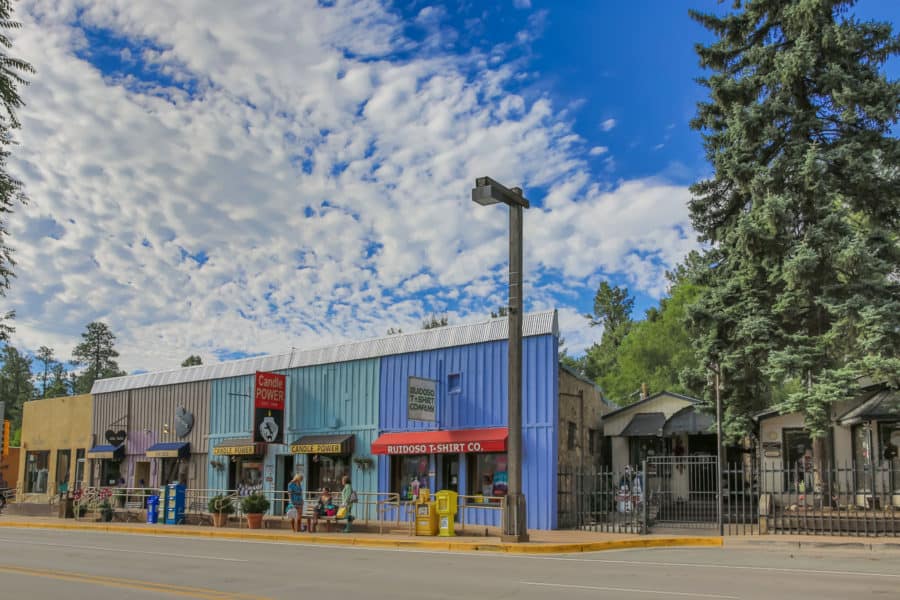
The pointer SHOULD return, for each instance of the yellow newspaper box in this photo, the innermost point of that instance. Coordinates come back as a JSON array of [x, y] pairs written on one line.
[[426, 515], [446, 510]]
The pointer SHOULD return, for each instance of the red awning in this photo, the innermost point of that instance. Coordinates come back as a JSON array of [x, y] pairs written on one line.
[[442, 442]]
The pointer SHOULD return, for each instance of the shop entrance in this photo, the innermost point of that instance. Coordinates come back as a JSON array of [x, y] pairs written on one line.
[[449, 472], [141, 474], [168, 471], [284, 472]]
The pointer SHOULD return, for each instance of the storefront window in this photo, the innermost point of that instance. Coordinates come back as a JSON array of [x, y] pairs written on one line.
[[409, 474], [797, 460], [37, 471], [110, 472], [862, 445], [326, 470], [487, 474], [251, 480], [889, 451]]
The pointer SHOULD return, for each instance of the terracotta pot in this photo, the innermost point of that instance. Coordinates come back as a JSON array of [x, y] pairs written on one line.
[[220, 519], [254, 521]]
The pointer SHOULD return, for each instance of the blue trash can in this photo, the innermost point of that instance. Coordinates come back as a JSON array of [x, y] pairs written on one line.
[[153, 509]]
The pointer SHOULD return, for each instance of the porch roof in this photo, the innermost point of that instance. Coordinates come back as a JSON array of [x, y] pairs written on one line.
[[644, 424], [882, 405], [688, 420]]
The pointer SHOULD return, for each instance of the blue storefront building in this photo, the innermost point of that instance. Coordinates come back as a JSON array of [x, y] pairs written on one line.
[[398, 413]]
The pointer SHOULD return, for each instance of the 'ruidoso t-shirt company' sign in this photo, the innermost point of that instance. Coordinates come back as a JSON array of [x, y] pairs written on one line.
[[421, 399], [268, 408]]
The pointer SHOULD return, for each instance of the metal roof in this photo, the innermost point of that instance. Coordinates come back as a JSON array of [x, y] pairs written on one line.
[[644, 424], [884, 404], [541, 323]]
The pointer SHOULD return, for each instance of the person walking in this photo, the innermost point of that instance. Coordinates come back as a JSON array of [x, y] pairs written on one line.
[[295, 489], [348, 499]]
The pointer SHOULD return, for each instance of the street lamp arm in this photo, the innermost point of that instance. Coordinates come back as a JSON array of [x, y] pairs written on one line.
[[487, 191]]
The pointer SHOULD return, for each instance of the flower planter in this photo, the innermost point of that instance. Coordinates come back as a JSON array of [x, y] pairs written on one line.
[[106, 515], [254, 520], [220, 519]]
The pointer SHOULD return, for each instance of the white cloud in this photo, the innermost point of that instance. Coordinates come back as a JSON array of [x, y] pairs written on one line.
[[522, 4], [326, 183], [598, 150], [608, 124]]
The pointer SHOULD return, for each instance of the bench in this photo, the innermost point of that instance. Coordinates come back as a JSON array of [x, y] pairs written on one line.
[[134, 509], [311, 520]]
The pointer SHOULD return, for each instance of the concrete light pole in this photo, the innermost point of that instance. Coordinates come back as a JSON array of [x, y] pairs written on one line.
[[487, 192]]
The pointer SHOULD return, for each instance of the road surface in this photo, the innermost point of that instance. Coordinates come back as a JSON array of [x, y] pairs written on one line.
[[37, 564]]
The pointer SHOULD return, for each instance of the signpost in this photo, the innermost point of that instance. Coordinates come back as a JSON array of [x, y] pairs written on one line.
[[421, 400], [268, 408]]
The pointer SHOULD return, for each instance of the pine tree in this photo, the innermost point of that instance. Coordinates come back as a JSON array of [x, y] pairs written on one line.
[[435, 321], [45, 355], [97, 354], [16, 385], [192, 361], [803, 212], [612, 311], [58, 384], [11, 193]]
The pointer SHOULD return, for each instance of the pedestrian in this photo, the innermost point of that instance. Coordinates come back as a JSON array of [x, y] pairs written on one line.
[[348, 499], [295, 489]]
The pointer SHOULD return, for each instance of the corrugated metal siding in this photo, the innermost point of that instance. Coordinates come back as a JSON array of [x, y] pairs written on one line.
[[543, 323], [231, 407], [482, 402], [483, 399], [110, 411], [151, 408], [345, 394]]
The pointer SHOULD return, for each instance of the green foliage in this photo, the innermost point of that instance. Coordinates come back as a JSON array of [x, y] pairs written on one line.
[[255, 504], [16, 385], [502, 311], [802, 214], [434, 321], [222, 504], [58, 384], [655, 351], [45, 356], [11, 192], [97, 354], [192, 361], [612, 311]]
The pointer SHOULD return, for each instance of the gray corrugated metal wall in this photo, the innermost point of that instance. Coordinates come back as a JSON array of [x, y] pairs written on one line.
[[110, 411], [151, 408]]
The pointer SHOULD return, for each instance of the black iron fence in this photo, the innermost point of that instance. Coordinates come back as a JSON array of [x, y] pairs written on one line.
[[666, 493]]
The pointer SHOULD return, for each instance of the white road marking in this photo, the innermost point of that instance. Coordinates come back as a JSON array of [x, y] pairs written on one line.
[[709, 566], [627, 590], [105, 549]]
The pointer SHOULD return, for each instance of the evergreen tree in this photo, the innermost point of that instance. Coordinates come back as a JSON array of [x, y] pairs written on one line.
[[16, 385], [45, 355], [802, 214], [192, 361], [58, 384], [97, 354], [435, 321], [11, 193], [612, 311]]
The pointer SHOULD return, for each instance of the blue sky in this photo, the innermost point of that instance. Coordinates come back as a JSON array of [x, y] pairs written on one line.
[[232, 180]]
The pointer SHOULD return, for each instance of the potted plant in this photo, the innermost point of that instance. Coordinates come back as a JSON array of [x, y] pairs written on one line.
[[254, 506], [106, 511], [220, 507]]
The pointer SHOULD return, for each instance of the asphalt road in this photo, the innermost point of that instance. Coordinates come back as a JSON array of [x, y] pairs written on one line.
[[37, 564]]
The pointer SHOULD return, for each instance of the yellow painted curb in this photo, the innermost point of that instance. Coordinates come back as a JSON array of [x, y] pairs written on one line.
[[444, 545]]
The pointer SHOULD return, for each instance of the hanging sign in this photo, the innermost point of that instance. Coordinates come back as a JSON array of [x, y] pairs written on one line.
[[268, 408], [421, 399]]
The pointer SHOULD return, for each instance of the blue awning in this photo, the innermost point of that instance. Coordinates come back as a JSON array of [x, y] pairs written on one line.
[[107, 452], [169, 450]]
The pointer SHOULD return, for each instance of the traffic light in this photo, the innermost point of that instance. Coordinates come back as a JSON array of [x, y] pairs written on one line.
[[5, 444]]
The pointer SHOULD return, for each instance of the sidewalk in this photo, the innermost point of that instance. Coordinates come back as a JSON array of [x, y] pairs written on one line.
[[542, 542]]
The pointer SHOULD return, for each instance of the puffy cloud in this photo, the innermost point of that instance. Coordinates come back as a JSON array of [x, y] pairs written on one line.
[[608, 124], [293, 175]]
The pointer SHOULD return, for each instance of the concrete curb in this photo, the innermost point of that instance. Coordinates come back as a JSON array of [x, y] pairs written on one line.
[[440, 545]]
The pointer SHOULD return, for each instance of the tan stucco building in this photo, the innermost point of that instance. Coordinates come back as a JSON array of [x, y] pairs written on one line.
[[56, 435]]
